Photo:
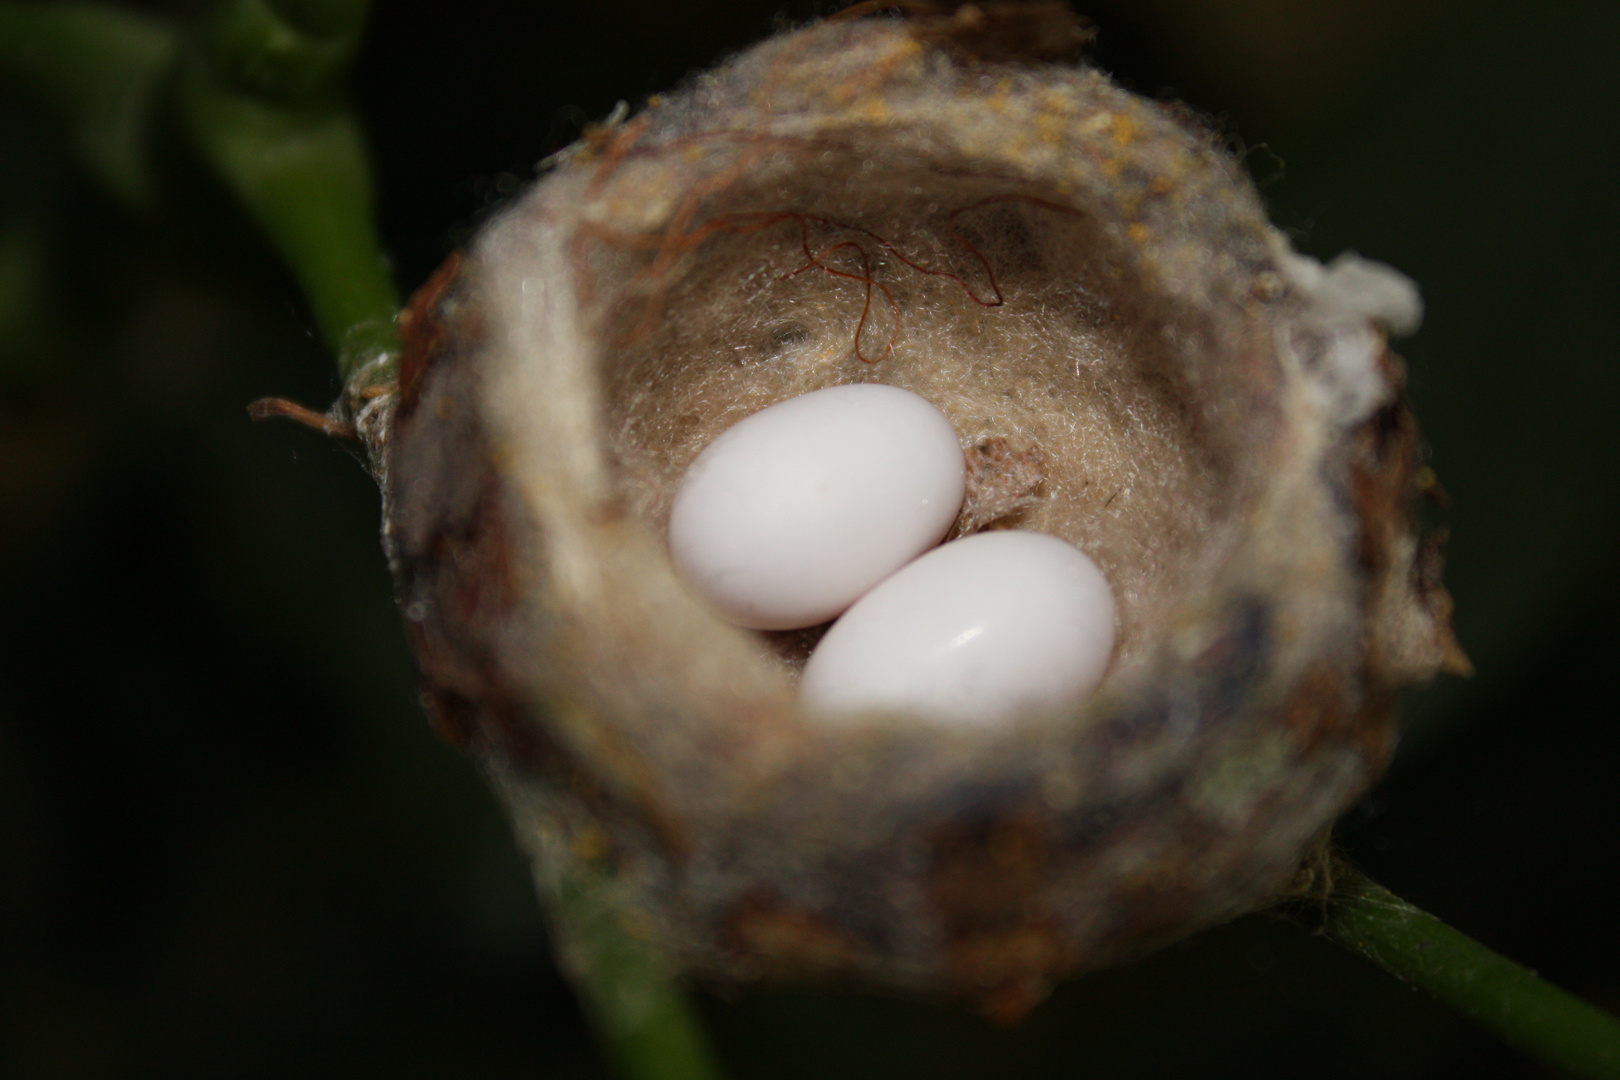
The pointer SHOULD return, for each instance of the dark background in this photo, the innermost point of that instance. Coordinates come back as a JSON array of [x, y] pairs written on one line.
[[229, 844]]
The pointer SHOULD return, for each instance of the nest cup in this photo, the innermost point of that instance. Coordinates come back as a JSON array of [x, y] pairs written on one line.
[[1135, 360]]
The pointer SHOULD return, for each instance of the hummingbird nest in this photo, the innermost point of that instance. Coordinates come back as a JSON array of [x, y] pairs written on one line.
[[1085, 283]]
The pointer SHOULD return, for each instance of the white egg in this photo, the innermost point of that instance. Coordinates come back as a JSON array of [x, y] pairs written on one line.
[[794, 512], [974, 632]]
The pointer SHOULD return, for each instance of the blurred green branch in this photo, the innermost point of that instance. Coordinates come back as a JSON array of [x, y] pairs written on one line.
[[261, 86], [262, 90], [100, 67], [646, 1024], [1511, 1001]]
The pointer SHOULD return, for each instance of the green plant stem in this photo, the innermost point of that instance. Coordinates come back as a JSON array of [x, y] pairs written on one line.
[[263, 100], [1522, 1009], [303, 175], [643, 1019]]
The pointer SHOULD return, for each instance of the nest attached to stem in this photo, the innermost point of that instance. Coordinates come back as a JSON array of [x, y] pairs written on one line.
[[1085, 283]]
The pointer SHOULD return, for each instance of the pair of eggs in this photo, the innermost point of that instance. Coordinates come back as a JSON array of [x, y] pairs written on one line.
[[826, 506]]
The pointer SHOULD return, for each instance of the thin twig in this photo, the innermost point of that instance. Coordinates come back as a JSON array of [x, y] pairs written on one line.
[[1511, 1001]]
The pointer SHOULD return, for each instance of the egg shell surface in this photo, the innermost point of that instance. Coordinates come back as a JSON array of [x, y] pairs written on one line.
[[975, 632], [791, 514]]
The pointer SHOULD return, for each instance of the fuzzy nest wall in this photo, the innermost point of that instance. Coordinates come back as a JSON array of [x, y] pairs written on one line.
[[1134, 360]]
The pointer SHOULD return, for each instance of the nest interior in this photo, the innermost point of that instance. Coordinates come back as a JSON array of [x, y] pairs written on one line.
[[1084, 399]]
